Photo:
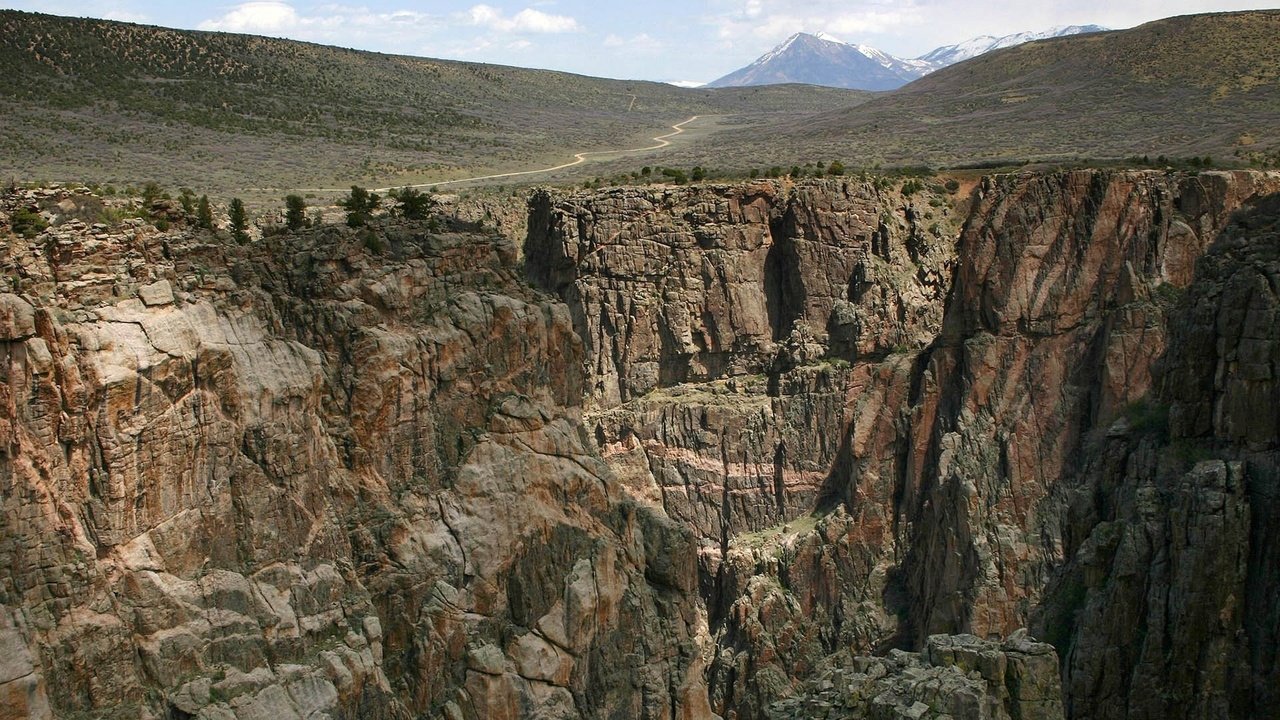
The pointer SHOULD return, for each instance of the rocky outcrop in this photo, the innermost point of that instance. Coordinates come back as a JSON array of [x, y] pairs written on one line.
[[327, 474], [954, 676], [758, 296]]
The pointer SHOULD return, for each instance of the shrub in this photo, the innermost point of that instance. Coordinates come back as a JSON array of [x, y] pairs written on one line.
[[835, 168], [204, 213], [27, 223], [187, 198], [952, 185], [373, 241], [677, 176], [414, 204], [1148, 418]]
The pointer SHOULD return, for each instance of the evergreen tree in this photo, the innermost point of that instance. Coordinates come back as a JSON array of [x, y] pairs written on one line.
[[414, 204], [360, 205], [295, 214], [239, 221], [188, 200], [204, 213]]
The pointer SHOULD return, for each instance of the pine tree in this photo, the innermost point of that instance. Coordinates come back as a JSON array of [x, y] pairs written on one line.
[[360, 205], [295, 214], [239, 221], [204, 213], [414, 204]]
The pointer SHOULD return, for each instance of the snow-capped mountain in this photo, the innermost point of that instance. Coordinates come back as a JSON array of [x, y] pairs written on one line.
[[819, 59], [823, 60], [951, 54]]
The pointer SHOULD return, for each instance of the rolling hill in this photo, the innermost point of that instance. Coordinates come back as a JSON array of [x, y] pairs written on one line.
[[1186, 86], [223, 113], [110, 101]]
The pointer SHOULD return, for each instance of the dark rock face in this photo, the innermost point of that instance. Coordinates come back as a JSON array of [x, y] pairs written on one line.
[[974, 420], [1173, 550]]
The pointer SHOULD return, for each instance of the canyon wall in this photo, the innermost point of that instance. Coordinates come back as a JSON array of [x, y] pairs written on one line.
[[326, 475], [684, 452], [881, 432]]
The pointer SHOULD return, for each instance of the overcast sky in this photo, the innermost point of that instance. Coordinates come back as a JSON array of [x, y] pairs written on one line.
[[666, 40]]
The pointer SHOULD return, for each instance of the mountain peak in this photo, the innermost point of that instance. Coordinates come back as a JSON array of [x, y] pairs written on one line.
[[818, 58]]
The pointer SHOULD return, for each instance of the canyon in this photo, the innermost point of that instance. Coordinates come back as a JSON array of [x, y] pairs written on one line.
[[850, 447]]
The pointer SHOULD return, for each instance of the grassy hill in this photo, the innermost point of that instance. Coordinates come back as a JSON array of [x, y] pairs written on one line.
[[101, 100], [239, 114], [1194, 85]]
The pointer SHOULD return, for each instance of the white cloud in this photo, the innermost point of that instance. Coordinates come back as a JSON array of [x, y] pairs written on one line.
[[527, 20], [257, 16], [771, 21], [352, 26], [686, 83]]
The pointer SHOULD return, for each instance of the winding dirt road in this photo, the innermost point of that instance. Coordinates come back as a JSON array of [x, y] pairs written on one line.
[[579, 159]]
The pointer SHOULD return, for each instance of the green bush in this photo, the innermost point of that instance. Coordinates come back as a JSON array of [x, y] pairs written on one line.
[[27, 223], [204, 213], [1148, 418], [413, 204]]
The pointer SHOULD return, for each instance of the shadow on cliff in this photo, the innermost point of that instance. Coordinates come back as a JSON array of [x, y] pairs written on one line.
[[1171, 529]]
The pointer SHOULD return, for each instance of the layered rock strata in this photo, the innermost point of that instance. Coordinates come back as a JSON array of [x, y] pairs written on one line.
[[740, 436]]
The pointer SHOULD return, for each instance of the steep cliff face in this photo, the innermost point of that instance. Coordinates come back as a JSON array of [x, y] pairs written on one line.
[[739, 439], [1172, 538], [719, 323], [948, 411], [325, 475]]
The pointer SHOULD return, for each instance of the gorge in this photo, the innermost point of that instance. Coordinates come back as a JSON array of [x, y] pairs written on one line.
[[769, 449]]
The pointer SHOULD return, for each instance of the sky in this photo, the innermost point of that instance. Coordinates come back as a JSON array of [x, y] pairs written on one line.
[[681, 41]]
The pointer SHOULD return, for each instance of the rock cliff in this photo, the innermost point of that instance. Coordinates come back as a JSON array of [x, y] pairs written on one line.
[[942, 435], [741, 451], [324, 475]]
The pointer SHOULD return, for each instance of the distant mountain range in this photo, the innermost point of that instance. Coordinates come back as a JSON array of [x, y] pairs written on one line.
[[819, 59]]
